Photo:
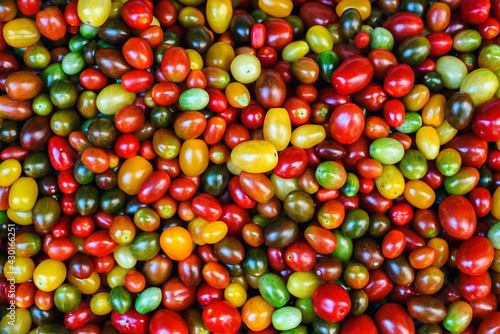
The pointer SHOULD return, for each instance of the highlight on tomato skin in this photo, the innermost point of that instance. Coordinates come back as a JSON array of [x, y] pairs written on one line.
[[217, 166]]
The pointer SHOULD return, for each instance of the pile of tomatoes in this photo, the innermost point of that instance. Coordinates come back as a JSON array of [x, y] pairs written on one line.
[[238, 166]]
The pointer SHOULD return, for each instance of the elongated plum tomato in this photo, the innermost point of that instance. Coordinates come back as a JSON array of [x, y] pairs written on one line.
[[352, 75], [347, 123]]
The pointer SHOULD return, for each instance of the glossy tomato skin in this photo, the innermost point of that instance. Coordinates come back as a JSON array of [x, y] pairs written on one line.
[[457, 217], [137, 14], [221, 317], [279, 33], [331, 302], [138, 53], [475, 11], [490, 325], [62, 156], [486, 123], [175, 64], [403, 25], [137, 81], [51, 23], [292, 162], [472, 149], [360, 324], [167, 322], [399, 80], [347, 123], [352, 75], [99, 244], [393, 318], [130, 322], [379, 285], [475, 256]]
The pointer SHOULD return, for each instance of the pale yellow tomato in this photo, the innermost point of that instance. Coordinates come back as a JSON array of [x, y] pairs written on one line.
[[245, 68], [10, 171]]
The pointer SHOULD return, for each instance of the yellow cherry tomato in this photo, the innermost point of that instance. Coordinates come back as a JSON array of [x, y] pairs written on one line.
[[276, 8], [20, 269], [21, 33], [214, 232], [445, 132], [255, 156], [481, 85], [100, 305], [302, 284], [195, 59], [433, 111], [308, 135], [87, 286], [245, 68], [49, 275], [221, 55], [20, 217], [18, 322], [132, 173], [391, 183], [257, 313], [176, 242], [23, 194], [417, 98], [277, 128], [419, 194], [237, 95], [319, 39], [428, 142], [364, 7], [219, 14], [193, 157], [112, 98], [10, 171], [235, 294], [94, 12], [294, 51], [495, 204], [195, 227]]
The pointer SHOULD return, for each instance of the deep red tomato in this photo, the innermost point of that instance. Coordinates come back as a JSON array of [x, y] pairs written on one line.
[[316, 13], [166, 13], [207, 294], [331, 302], [138, 53], [475, 255], [480, 199], [214, 131], [276, 258], [137, 14], [235, 134], [51, 23], [258, 36], [486, 123], [473, 150], [279, 33], [393, 318], [99, 243], [78, 317], [393, 244], [490, 325], [82, 226], [399, 80], [403, 25], [457, 217], [401, 214], [379, 285], [372, 97], [267, 56], [207, 207], [129, 119], [66, 182], [167, 322], [154, 187], [217, 100], [60, 249], [361, 324], [292, 162], [347, 123], [127, 145], [475, 11], [239, 196], [352, 75], [176, 295], [235, 218], [62, 156], [490, 28], [475, 287], [29, 7], [165, 93], [130, 322], [221, 317], [93, 79], [71, 14], [382, 60], [137, 81], [394, 113], [299, 256], [441, 43]]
